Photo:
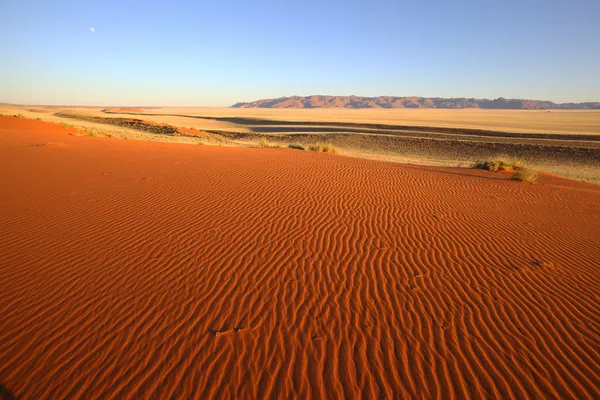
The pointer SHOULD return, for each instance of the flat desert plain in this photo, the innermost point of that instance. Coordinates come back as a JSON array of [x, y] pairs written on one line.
[[529, 121], [135, 269], [586, 122]]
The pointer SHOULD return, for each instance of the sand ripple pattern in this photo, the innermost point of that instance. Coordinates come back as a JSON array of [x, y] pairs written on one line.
[[145, 270]]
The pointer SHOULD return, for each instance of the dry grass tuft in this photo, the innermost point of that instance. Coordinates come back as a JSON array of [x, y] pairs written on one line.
[[501, 163], [264, 142], [504, 165], [96, 133], [525, 175], [487, 165], [323, 147], [517, 163], [329, 148]]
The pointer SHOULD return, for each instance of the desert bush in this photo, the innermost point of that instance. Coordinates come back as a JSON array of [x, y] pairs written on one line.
[[324, 147], [329, 148], [487, 165], [525, 175], [263, 142], [296, 147], [517, 163], [499, 164], [94, 132], [315, 147], [506, 162], [19, 115], [503, 164]]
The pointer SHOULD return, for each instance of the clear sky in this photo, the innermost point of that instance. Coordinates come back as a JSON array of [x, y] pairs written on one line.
[[215, 53]]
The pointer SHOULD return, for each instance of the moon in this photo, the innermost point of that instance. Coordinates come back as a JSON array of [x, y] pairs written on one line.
[[92, 30]]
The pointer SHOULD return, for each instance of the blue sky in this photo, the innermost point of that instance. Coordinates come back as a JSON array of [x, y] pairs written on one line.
[[215, 53]]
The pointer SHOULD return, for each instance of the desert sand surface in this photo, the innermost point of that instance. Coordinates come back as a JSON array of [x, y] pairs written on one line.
[[136, 269]]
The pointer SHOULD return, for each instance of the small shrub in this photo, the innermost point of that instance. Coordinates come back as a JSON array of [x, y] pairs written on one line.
[[315, 147], [296, 147], [517, 163], [500, 163], [506, 162], [525, 175], [19, 115], [324, 147], [487, 165], [263, 142], [329, 148], [94, 132], [503, 165]]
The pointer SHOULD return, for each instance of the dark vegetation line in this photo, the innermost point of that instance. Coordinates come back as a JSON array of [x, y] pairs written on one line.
[[131, 123], [141, 125]]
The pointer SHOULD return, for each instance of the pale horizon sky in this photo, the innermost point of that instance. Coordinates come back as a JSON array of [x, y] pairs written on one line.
[[187, 53]]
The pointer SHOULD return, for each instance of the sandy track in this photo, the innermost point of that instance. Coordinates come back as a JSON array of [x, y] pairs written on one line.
[[138, 270]]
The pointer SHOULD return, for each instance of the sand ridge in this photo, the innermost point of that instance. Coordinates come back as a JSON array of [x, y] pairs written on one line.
[[138, 270]]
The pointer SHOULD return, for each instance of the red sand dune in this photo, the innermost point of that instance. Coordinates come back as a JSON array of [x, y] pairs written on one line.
[[149, 270]]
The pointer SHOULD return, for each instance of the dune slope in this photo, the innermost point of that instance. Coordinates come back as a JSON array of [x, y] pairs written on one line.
[[150, 270]]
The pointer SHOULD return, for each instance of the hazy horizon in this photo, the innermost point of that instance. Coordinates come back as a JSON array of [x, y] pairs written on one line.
[[214, 55]]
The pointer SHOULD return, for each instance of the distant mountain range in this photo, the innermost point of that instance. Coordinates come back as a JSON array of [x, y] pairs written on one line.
[[412, 102]]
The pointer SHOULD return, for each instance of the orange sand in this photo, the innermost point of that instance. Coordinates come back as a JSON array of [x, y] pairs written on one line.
[[150, 270]]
